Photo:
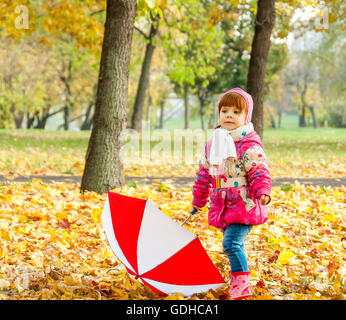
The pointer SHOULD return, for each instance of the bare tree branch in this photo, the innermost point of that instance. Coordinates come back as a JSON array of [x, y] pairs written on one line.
[[142, 33], [96, 12]]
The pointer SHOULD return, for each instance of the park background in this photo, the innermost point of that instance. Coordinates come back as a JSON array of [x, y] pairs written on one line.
[[184, 54]]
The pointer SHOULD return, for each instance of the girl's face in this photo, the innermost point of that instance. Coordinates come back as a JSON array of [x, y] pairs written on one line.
[[231, 118]]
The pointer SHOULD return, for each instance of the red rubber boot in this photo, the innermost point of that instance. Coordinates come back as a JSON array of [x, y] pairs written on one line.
[[240, 285]]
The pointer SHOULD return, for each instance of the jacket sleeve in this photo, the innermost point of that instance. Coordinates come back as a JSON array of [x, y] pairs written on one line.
[[256, 167], [202, 183]]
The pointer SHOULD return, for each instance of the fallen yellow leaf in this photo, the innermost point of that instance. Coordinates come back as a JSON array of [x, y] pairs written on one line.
[[96, 215], [285, 256]]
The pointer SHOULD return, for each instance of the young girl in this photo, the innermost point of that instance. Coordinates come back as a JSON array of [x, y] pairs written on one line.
[[235, 166]]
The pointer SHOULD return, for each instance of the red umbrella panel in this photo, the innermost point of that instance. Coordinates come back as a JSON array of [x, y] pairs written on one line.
[[155, 249]]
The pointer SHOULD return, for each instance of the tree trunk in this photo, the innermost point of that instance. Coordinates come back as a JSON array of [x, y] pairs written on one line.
[[302, 122], [137, 115], [41, 121], [186, 106], [30, 120], [272, 121], [86, 125], [265, 20], [302, 90], [306, 105], [162, 108], [18, 120], [201, 109], [66, 117], [103, 166], [279, 119], [314, 117], [66, 81], [150, 103]]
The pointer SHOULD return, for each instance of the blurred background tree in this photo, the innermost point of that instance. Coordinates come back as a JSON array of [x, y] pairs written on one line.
[[199, 49]]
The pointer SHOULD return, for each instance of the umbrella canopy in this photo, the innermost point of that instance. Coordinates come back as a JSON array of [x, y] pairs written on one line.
[[155, 249]]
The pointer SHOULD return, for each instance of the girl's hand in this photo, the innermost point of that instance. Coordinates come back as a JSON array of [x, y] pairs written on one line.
[[264, 199], [197, 208]]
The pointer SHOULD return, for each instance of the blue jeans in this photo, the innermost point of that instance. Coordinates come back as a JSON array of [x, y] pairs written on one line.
[[233, 245]]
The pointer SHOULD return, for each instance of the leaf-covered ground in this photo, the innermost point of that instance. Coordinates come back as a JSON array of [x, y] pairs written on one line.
[[53, 246]]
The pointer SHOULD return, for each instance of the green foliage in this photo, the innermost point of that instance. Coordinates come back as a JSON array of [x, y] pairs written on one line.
[[193, 45], [319, 73], [277, 60], [149, 9], [236, 38], [335, 116], [330, 60], [6, 119]]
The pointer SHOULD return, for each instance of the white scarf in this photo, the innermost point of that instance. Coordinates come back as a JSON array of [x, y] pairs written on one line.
[[222, 147]]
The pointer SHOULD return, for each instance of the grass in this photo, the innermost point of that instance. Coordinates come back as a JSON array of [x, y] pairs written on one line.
[[308, 142], [45, 140]]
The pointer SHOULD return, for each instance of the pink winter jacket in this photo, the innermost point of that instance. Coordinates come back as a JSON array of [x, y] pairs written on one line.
[[248, 178]]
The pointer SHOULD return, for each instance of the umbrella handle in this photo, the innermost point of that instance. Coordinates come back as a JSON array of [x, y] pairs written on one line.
[[191, 214]]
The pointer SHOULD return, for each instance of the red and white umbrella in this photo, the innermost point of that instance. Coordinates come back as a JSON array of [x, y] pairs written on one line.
[[155, 249]]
